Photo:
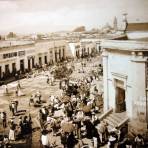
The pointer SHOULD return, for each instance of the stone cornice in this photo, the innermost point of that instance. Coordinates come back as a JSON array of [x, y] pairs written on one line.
[[104, 53], [119, 75], [125, 45], [16, 47], [138, 59]]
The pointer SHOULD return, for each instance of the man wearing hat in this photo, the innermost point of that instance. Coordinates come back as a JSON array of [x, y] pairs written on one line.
[[3, 117]]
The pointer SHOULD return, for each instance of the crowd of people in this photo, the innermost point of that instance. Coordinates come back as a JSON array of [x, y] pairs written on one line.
[[20, 129], [73, 116], [17, 129], [79, 119]]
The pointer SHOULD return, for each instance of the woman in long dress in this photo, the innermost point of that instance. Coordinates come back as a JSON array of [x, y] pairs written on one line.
[[12, 131], [20, 93], [45, 139], [5, 89]]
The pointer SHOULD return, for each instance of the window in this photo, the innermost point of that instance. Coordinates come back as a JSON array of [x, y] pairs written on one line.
[[21, 53], [9, 55]]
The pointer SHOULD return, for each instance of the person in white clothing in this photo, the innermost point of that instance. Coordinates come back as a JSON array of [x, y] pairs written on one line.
[[12, 131], [5, 89], [45, 139]]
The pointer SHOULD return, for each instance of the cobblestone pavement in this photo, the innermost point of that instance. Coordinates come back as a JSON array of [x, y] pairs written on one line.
[[31, 85]]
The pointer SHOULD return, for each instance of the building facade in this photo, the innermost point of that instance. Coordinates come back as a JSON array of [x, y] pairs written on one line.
[[125, 75], [83, 49], [22, 56]]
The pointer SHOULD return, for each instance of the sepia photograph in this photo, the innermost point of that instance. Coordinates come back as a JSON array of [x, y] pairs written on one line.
[[73, 73]]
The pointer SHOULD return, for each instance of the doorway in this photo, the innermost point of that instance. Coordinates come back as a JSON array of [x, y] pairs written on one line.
[[88, 50], [56, 59], [13, 69], [78, 53], [7, 71], [120, 100], [45, 58], [29, 66], [40, 61], [22, 68], [33, 62]]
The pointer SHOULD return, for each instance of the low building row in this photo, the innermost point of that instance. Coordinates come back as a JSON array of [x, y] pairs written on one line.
[[22, 56]]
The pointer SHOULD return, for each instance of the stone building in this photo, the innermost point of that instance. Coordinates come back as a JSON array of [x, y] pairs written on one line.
[[14, 55], [50, 51], [125, 79], [22, 56], [84, 48]]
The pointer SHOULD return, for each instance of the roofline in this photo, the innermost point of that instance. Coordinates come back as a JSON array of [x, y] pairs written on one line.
[[28, 44], [15, 46], [125, 45]]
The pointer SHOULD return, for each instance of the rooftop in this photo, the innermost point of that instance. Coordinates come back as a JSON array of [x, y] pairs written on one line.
[[125, 45], [5, 44], [135, 39]]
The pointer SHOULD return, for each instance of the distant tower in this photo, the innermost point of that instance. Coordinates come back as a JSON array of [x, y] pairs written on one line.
[[125, 22], [115, 25]]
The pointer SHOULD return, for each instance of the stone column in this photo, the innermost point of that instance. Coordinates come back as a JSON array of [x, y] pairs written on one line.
[[53, 54], [25, 62], [33, 61], [58, 57], [3, 67], [10, 66], [138, 109], [105, 80], [18, 63], [138, 83]]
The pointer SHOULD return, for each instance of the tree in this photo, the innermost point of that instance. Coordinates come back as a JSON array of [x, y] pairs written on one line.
[[39, 36]]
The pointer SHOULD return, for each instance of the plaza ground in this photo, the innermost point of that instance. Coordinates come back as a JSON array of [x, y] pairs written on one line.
[[30, 86]]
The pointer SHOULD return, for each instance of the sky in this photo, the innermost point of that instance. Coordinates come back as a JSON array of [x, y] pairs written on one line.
[[32, 16]]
